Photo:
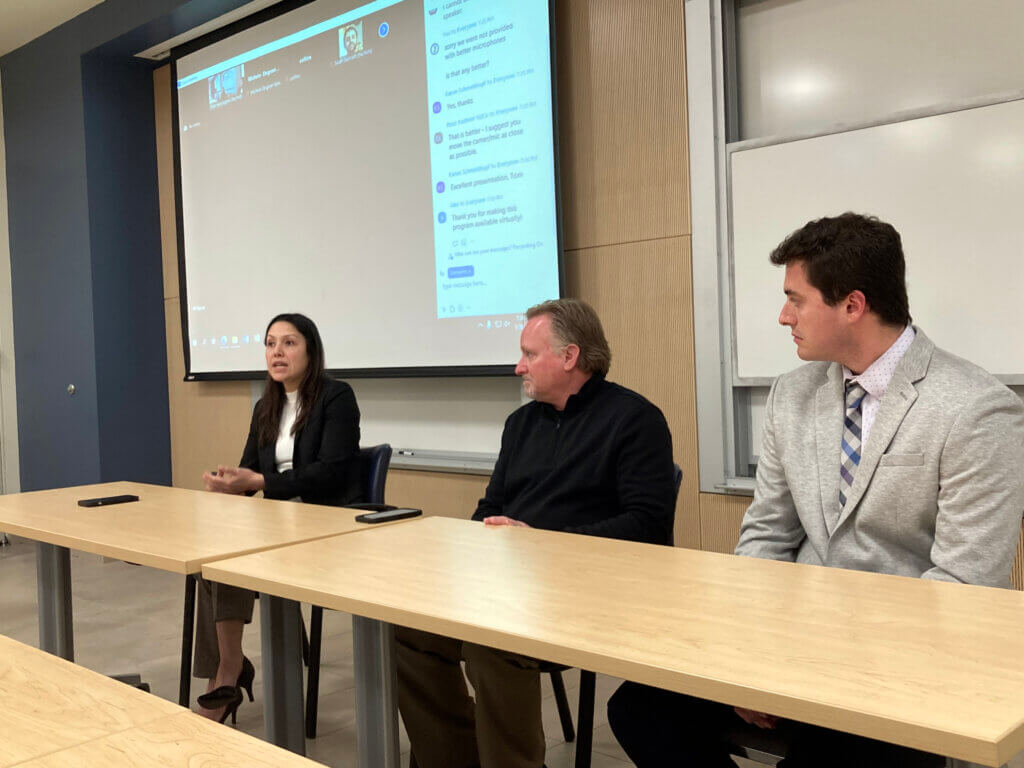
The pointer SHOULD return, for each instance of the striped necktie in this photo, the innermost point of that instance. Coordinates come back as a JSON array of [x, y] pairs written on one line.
[[851, 439]]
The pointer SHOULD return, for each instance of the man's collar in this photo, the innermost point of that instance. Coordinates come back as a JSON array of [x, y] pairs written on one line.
[[876, 377], [580, 399]]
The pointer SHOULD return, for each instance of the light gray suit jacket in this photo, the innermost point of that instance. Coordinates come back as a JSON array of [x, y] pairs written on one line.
[[939, 491]]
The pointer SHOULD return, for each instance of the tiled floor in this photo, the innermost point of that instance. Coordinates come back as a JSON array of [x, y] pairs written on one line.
[[128, 619]]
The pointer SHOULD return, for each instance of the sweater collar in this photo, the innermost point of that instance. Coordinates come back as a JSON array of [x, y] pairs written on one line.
[[577, 402]]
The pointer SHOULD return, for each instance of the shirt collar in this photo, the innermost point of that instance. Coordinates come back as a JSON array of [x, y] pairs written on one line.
[[876, 377]]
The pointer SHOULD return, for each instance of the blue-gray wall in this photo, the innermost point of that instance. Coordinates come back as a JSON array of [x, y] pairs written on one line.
[[85, 245]]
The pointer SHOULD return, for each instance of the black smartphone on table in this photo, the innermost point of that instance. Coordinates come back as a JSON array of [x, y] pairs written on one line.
[[388, 515], [104, 501]]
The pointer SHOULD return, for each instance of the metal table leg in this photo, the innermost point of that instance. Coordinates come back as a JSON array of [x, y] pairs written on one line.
[[373, 650], [281, 635], [53, 580], [188, 627]]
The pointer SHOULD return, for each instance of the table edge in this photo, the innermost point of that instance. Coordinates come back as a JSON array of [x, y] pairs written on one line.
[[958, 745]]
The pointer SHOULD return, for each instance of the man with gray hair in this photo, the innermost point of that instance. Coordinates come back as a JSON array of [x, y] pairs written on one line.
[[586, 456]]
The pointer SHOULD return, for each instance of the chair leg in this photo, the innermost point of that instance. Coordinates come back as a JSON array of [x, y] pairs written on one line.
[[562, 702], [187, 634], [305, 642], [316, 628], [585, 719]]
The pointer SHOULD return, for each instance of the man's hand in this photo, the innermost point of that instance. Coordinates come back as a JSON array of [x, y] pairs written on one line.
[[760, 719], [503, 520]]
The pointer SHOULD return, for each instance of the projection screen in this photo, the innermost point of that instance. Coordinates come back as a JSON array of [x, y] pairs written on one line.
[[388, 169]]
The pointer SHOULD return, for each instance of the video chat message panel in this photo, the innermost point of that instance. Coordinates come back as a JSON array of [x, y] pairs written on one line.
[[387, 169]]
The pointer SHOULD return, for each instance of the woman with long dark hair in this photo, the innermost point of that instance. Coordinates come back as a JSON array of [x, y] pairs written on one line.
[[303, 443]]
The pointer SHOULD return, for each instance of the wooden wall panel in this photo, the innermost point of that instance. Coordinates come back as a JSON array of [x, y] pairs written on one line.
[[622, 120], [720, 518], [642, 291], [436, 493]]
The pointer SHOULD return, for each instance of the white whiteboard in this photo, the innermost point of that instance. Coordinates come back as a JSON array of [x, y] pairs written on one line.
[[445, 414], [441, 415], [951, 184]]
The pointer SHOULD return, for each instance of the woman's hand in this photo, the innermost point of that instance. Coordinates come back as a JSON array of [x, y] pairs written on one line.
[[760, 719], [233, 480], [504, 520]]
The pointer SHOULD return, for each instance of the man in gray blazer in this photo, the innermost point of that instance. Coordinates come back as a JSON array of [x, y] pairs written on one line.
[[883, 454]]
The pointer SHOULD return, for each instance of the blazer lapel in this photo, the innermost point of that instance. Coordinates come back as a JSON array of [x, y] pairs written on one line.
[[297, 450], [828, 433], [899, 396], [268, 459]]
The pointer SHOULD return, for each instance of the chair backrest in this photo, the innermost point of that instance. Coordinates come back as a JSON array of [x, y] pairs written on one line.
[[677, 476], [1017, 574], [373, 468]]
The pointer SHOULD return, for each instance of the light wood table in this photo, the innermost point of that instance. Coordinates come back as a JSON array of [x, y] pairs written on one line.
[[929, 665], [59, 715], [175, 530], [47, 704], [184, 740]]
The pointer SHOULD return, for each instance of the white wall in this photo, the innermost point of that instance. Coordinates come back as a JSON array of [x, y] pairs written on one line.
[[810, 64], [10, 480]]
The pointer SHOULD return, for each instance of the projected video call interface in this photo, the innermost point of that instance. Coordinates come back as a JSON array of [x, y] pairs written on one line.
[[397, 156]]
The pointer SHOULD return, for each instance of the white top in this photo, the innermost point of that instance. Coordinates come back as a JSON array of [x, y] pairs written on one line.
[[285, 449], [875, 380]]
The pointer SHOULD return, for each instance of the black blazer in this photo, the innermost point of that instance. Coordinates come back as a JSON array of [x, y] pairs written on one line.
[[325, 461]]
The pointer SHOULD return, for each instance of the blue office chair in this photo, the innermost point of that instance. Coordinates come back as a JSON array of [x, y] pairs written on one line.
[[374, 463], [588, 684]]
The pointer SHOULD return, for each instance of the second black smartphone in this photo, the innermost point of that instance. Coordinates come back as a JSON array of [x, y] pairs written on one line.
[[104, 501], [387, 515]]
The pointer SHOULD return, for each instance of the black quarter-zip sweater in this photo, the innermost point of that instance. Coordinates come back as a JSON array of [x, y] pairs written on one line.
[[602, 466]]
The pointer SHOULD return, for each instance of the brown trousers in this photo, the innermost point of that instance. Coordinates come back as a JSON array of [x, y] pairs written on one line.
[[446, 730], [216, 602]]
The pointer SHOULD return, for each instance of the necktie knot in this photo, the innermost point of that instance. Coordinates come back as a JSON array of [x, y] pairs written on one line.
[[855, 394]]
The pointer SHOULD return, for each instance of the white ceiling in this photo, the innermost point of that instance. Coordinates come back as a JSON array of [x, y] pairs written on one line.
[[25, 20]]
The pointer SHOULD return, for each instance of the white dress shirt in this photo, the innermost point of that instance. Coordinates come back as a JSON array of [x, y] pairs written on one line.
[[875, 380], [285, 449]]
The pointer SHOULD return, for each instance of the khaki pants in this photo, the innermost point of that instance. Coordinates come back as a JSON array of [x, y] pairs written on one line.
[[446, 730], [216, 602]]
